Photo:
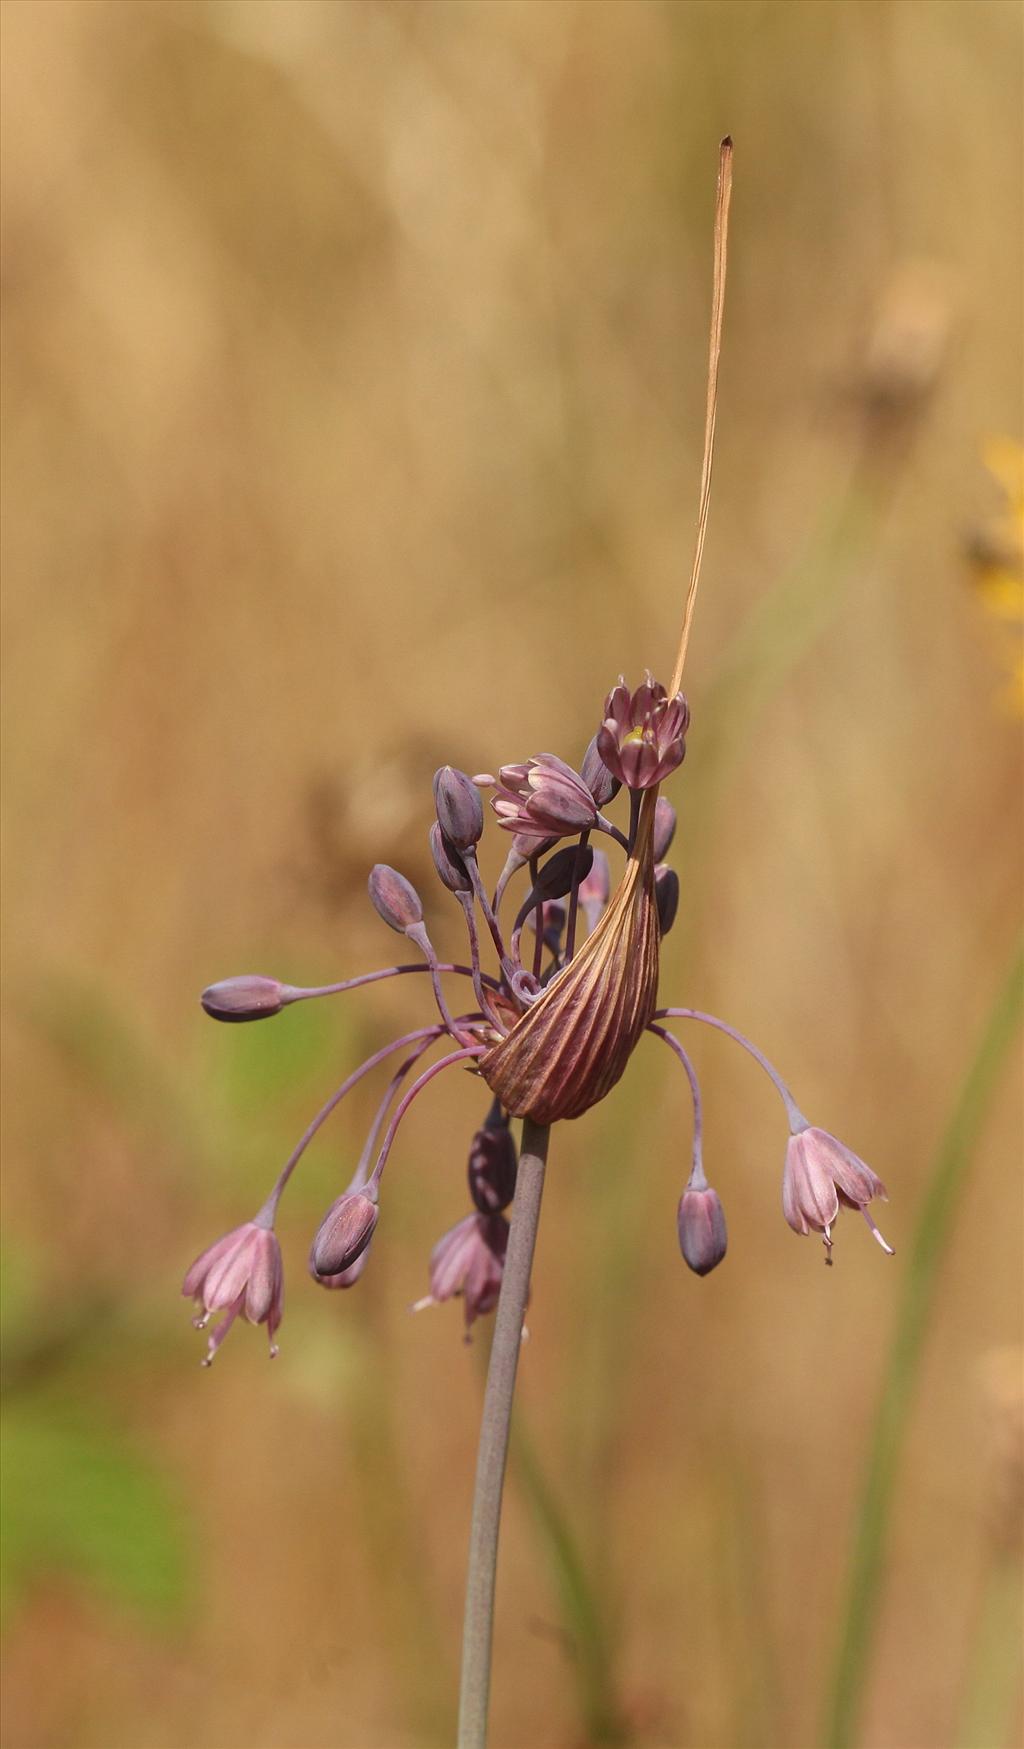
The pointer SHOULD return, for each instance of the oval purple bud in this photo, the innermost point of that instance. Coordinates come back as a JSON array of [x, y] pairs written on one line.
[[555, 878], [344, 1232], [492, 1165], [702, 1235], [394, 898], [460, 810], [598, 779], [449, 865], [245, 998], [666, 896], [664, 828]]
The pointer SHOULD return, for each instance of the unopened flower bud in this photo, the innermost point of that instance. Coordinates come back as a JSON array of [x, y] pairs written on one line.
[[460, 811], [664, 828], [451, 869], [555, 877], [666, 896], [346, 1277], [344, 1232], [245, 998], [239, 1274], [598, 779], [702, 1235], [394, 898], [493, 1164]]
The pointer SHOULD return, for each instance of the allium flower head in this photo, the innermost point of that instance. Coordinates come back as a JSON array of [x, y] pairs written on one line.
[[822, 1175], [240, 1273], [641, 739], [551, 994]]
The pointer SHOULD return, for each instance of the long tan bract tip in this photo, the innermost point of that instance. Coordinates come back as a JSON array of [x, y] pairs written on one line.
[[722, 200]]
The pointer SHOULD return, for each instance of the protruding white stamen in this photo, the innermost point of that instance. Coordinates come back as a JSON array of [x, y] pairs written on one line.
[[886, 1247]]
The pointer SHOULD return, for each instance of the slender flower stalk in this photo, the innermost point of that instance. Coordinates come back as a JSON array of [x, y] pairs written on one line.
[[478, 1623]]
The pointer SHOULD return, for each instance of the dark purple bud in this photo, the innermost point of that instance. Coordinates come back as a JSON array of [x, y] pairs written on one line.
[[344, 1232], [394, 898], [460, 811], [246, 998], [598, 779], [666, 896], [492, 1164], [555, 878], [449, 865], [347, 1277], [664, 828], [702, 1235]]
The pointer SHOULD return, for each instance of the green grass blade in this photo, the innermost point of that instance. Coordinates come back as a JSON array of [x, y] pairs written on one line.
[[927, 1248], [582, 1612]]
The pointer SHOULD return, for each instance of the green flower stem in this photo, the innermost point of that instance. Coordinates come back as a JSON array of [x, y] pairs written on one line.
[[478, 1628], [927, 1250]]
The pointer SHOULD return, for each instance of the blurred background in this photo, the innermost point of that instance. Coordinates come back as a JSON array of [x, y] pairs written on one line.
[[354, 360]]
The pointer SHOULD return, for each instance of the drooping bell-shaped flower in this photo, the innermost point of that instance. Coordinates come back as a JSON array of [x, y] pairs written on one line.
[[822, 1175], [240, 1273], [469, 1260]]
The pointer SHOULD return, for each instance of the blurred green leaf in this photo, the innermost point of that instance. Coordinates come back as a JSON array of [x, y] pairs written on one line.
[[943, 1191], [583, 1607], [78, 1501], [85, 1026], [268, 1062]]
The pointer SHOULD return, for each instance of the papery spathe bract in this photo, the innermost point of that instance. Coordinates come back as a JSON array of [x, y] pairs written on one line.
[[572, 1045]]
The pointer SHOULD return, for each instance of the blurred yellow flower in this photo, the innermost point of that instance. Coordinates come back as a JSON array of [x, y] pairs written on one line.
[[997, 556]]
